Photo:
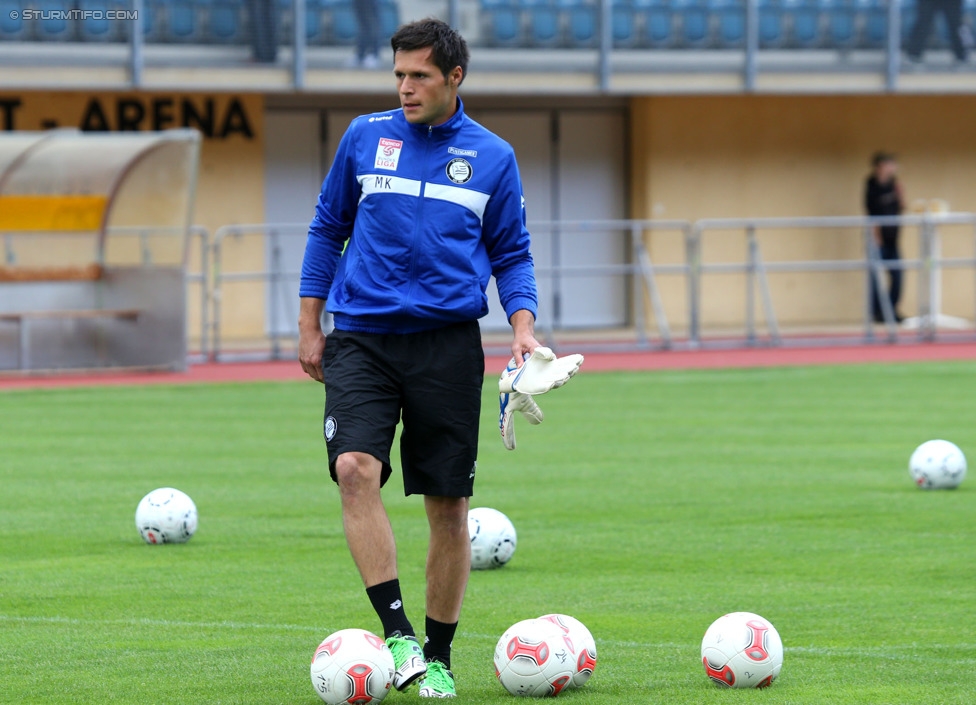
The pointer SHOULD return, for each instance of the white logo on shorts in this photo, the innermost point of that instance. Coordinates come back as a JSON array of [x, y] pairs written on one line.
[[330, 428]]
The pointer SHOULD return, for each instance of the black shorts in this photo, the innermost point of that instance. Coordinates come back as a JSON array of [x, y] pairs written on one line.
[[432, 380]]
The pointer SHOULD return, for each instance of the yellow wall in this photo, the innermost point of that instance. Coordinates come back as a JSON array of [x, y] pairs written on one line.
[[760, 156], [230, 186]]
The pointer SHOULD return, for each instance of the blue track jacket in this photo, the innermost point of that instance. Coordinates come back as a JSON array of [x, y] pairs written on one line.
[[426, 215]]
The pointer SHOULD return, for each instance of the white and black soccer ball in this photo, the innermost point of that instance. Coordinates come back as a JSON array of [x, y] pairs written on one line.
[[166, 515], [352, 667], [937, 465], [742, 650], [533, 658], [580, 640], [493, 538]]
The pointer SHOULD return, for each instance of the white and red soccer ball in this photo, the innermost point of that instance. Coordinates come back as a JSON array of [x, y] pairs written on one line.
[[166, 515], [742, 650], [535, 657], [581, 642], [352, 667], [937, 465]]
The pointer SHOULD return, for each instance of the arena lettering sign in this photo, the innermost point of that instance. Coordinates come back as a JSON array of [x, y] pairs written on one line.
[[133, 114], [214, 118]]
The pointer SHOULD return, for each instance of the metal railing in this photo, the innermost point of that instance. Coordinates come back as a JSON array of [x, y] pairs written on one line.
[[276, 276], [928, 263], [644, 274]]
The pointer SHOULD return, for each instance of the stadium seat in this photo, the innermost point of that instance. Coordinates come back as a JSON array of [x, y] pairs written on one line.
[[543, 22], [57, 29], [909, 11], [657, 23], [582, 21], [693, 20], [840, 22], [314, 26], [99, 28], [873, 16], [389, 19], [731, 23], [10, 28], [225, 22], [771, 24], [501, 22], [341, 22], [624, 23], [804, 23], [182, 21]]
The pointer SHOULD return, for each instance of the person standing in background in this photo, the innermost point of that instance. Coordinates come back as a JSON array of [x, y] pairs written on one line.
[[368, 38], [883, 197], [960, 36]]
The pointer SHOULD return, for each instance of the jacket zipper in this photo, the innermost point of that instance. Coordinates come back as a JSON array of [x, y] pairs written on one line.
[[419, 225]]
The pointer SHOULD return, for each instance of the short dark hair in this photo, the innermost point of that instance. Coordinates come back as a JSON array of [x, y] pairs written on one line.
[[448, 46], [881, 158]]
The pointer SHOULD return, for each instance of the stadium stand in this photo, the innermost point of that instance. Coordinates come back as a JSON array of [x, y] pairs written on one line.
[[635, 24]]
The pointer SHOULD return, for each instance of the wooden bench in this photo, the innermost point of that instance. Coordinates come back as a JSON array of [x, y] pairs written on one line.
[[22, 319]]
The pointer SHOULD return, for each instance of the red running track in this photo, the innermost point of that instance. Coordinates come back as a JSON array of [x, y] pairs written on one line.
[[595, 362]]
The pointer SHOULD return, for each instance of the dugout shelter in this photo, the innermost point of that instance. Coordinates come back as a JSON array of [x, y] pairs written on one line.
[[94, 229]]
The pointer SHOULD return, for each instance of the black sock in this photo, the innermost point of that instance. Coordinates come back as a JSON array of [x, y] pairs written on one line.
[[388, 604], [437, 642]]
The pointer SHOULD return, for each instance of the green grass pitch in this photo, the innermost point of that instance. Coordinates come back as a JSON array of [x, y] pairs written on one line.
[[647, 505]]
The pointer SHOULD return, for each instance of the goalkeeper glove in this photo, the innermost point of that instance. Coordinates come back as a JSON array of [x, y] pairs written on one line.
[[508, 404], [540, 372]]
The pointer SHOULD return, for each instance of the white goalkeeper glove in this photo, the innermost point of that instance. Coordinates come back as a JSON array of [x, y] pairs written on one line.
[[508, 404], [517, 385], [540, 372]]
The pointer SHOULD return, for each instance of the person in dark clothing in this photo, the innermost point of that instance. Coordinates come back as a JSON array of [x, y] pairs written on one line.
[[883, 196], [959, 33], [368, 39]]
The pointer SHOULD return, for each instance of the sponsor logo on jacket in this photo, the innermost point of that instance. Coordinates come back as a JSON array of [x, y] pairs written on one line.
[[388, 153]]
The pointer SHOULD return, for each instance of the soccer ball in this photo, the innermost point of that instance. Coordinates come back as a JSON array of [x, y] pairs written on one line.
[[166, 516], [533, 658], [937, 465], [581, 642], [352, 666], [492, 538], [742, 650]]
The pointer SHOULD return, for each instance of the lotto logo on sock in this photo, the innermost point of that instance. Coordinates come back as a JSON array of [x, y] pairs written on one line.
[[396, 604]]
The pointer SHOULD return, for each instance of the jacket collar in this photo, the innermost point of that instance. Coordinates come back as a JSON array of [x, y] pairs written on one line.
[[448, 128]]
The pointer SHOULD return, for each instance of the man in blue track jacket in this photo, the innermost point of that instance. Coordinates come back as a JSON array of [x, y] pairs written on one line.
[[421, 206]]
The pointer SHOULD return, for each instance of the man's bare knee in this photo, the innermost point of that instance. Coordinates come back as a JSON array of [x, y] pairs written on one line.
[[357, 473]]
